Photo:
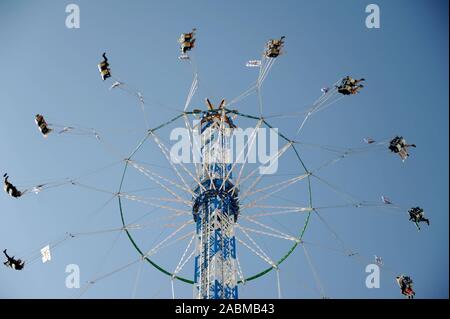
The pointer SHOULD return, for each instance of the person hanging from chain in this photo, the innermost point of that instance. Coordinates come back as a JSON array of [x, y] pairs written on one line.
[[399, 146], [104, 69], [13, 263], [10, 188], [416, 215]]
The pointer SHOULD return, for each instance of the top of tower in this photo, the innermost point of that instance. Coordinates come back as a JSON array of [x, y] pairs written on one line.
[[219, 113]]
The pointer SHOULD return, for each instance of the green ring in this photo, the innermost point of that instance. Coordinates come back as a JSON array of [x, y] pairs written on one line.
[[188, 281]]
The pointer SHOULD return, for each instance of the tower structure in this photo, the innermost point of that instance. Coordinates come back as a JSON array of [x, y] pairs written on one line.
[[215, 209]]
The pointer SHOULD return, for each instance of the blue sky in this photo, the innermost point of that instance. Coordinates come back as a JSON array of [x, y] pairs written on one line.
[[49, 69]]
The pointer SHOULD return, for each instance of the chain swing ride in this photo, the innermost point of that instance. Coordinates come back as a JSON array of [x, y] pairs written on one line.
[[227, 204]]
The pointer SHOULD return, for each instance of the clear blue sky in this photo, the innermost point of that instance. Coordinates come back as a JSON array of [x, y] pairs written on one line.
[[49, 69]]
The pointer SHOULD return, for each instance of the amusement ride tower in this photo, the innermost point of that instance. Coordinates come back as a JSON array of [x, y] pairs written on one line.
[[215, 209]]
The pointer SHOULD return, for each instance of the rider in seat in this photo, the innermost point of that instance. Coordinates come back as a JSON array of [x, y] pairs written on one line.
[[274, 47], [398, 145], [42, 124], [104, 69], [187, 41], [406, 286], [10, 188], [416, 215], [13, 263]]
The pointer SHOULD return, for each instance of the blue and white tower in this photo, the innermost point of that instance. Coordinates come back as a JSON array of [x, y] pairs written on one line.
[[215, 210]]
